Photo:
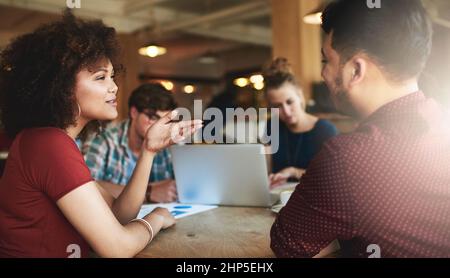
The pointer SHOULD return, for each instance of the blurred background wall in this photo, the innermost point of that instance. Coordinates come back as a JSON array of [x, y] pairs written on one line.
[[210, 49]]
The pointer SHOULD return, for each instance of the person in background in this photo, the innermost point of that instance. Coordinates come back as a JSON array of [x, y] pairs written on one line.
[[383, 190], [53, 82], [112, 155], [301, 134]]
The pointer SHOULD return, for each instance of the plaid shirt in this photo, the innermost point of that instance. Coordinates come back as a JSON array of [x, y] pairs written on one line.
[[110, 158]]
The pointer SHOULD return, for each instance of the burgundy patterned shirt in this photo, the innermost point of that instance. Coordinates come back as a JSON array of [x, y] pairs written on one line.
[[388, 184]]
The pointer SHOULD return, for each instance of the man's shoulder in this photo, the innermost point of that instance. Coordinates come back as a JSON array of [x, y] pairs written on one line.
[[108, 138], [115, 129], [348, 143], [112, 133]]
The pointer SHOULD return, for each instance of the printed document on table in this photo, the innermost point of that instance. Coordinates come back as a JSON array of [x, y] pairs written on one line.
[[177, 210]]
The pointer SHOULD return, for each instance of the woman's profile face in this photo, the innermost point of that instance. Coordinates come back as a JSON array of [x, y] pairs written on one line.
[[287, 98], [96, 92]]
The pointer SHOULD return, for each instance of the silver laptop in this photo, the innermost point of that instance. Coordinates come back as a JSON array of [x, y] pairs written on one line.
[[229, 175]]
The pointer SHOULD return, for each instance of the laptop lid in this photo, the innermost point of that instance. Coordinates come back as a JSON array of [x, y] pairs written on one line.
[[231, 175]]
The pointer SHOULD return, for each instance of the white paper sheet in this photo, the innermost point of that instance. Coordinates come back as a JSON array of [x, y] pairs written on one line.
[[285, 187], [177, 210]]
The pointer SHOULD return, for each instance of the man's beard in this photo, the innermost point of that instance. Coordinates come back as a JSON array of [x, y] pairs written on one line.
[[341, 99]]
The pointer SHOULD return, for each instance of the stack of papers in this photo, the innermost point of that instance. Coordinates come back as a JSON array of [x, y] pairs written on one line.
[[176, 209], [285, 187], [277, 192]]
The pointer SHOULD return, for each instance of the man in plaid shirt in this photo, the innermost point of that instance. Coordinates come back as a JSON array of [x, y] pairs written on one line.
[[112, 155]]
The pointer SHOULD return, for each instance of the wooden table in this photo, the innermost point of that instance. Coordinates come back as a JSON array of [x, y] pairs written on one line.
[[224, 232]]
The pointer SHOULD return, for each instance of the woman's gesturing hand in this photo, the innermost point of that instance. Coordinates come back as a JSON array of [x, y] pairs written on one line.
[[166, 132]]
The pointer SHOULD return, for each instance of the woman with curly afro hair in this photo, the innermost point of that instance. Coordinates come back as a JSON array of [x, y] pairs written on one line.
[[53, 83]]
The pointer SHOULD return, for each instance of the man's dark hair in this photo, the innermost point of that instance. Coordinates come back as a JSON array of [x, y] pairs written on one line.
[[153, 97], [38, 72], [398, 36]]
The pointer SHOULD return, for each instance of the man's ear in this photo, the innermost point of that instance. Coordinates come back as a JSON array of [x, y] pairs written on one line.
[[133, 113], [359, 70]]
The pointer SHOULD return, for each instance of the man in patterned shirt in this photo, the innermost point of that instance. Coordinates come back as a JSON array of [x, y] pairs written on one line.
[[383, 190], [112, 155]]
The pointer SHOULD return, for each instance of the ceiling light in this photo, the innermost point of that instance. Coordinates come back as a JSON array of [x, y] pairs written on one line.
[[241, 82], [208, 58], [152, 51], [315, 16], [257, 78], [259, 86], [168, 85], [189, 89], [315, 19]]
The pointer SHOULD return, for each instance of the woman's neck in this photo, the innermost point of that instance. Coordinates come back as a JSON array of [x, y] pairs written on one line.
[[305, 123], [74, 130]]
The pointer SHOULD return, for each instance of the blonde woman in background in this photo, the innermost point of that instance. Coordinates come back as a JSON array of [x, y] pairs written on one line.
[[301, 134]]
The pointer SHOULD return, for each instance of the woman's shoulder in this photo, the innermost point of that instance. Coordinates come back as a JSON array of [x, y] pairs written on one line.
[[34, 144], [44, 138], [325, 126], [44, 133]]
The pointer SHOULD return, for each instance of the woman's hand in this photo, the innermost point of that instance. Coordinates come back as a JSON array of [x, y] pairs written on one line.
[[164, 132], [278, 179], [284, 175], [168, 219]]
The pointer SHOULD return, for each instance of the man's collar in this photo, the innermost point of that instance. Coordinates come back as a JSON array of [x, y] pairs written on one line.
[[124, 127], [395, 107]]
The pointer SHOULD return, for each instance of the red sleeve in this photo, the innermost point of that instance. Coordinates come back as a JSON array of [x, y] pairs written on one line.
[[52, 162], [319, 211]]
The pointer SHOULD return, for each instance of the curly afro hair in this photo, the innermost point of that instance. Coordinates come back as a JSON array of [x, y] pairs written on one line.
[[38, 72]]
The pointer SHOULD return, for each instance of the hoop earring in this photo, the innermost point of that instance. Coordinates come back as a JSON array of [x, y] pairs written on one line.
[[79, 110]]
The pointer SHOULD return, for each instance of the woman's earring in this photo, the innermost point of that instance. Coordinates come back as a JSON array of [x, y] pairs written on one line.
[[79, 110]]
